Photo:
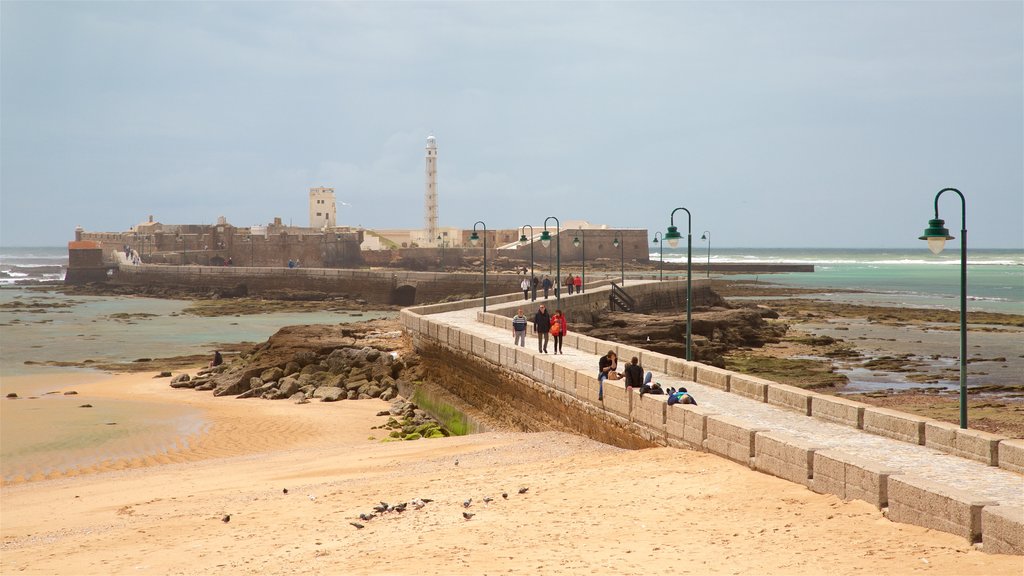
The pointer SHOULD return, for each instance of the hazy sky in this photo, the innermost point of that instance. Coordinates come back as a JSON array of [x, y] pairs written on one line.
[[827, 124]]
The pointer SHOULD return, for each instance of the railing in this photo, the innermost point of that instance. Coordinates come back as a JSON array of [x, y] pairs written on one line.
[[619, 298]]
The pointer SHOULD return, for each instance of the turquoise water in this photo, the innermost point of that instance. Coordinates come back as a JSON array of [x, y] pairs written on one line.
[[896, 277]]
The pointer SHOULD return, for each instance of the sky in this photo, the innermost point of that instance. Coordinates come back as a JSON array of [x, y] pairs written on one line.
[[789, 124]]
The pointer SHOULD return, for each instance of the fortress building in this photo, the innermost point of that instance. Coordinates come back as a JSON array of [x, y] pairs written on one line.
[[430, 200], [322, 212]]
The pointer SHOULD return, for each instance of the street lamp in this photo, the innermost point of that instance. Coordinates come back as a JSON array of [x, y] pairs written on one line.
[[522, 242], [936, 234], [545, 241], [622, 259], [184, 249], [473, 239], [661, 250], [672, 237], [581, 243], [707, 236], [441, 240]]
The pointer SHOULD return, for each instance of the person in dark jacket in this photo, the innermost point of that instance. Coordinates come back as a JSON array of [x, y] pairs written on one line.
[[634, 373], [542, 326], [547, 286]]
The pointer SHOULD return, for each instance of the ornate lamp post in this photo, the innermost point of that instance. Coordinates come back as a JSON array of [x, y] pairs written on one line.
[[936, 234], [442, 242], [473, 239], [545, 241], [184, 250], [581, 243], [522, 242], [622, 259], [661, 253], [672, 237], [707, 236]]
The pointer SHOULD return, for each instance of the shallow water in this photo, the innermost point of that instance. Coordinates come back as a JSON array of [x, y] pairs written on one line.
[[43, 435]]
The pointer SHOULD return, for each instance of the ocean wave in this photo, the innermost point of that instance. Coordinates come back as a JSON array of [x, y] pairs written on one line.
[[840, 261]]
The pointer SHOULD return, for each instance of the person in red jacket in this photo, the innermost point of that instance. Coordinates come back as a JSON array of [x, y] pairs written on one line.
[[558, 329]]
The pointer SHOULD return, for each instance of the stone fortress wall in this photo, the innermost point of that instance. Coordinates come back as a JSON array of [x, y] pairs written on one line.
[[752, 438]]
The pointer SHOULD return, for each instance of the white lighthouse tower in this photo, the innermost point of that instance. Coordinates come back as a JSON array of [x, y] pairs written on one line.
[[430, 200]]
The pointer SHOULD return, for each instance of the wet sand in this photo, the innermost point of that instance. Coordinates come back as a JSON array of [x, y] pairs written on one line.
[[589, 509]]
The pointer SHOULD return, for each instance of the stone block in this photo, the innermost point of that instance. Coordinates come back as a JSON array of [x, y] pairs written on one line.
[[466, 342], [973, 444], [492, 352], [1011, 455], [790, 397], [508, 356], [921, 502], [587, 344], [565, 379], [850, 477], [681, 369], [441, 333], [895, 424], [784, 456], [711, 376], [479, 346], [839, 410], [1002, 529], [524, 361], [695, 423], [543, 370], [654, 362], [731, 438], [626, 353], [649, 411], [616, 399], [587, 388], [571, 340], [749, 386]]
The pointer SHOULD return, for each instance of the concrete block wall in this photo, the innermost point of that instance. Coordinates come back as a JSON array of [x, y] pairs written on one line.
[[790, 397], [914, 500], [749, 386], [1011, 455], [731, 438], [850, 477], [838, 410], [895, 424], [973, 444], [1003, 529], [711, 376], [784, 456]]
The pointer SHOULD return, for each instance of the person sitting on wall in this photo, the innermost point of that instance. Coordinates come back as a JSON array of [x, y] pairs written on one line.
[[217, 359], [634, 374]]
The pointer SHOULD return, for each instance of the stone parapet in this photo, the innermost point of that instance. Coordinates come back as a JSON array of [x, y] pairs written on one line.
[[851, 478], [1002, 529], [973, 444], [784, 456], [838, 410], [749, 386], [731, 438], [1011, 455], [711, 376], [895, 424], [914, 500], [790, 397]]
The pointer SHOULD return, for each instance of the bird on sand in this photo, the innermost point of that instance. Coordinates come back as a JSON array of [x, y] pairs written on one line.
[[456, 461], [367, 517], [504, 495], [226, 518], [357, 525], [382, 507], [488, 499], [467, 503], [468, 515], [523, 490], [401, 507], [285, 491]]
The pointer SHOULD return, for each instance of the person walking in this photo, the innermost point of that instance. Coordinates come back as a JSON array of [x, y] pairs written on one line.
[[525, 287], [558, 329], [519, 329], [569, 283], [578, 282], [542, 327], [547, 286]]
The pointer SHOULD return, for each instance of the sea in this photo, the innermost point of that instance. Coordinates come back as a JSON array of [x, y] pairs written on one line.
[[886, 277]]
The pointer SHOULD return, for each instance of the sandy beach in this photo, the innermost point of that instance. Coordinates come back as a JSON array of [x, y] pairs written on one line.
[[589, 509]]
